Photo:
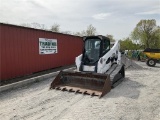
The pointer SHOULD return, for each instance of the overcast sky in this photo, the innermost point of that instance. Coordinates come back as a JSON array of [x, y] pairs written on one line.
[[116, 17]]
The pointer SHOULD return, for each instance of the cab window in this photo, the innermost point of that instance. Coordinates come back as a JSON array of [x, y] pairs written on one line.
[[106, 46]]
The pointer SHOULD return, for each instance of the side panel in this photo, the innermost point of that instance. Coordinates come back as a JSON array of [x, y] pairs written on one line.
[[19, 50], [112, 53], [153, 55]]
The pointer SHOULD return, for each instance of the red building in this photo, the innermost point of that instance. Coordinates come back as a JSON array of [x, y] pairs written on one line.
[[25, 51]]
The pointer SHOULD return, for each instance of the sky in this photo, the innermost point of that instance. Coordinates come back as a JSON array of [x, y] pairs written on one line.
[[114, 17]]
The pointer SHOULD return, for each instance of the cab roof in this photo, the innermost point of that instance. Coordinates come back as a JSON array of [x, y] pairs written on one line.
[[98, 36]]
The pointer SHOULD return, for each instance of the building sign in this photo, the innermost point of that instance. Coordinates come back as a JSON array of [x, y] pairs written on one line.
[[47, 46]]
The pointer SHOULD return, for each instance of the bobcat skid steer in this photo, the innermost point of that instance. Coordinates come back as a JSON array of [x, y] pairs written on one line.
[[98, 69]]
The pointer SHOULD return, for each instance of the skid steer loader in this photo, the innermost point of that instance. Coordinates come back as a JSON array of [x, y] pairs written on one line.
[[98, 69]]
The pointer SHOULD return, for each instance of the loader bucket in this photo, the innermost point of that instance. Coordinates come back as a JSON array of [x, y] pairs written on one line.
[[93, 84]]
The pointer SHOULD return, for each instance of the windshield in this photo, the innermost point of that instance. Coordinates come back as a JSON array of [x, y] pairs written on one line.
[[92, 50]]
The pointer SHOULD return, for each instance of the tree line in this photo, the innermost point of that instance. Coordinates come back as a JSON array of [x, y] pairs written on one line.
[[146, 34], [91, 30]]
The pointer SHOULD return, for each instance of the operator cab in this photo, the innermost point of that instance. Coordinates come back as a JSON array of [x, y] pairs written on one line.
[[94, 48]]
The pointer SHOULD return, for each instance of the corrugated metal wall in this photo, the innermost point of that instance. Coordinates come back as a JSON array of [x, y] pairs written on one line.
[[19, 50]]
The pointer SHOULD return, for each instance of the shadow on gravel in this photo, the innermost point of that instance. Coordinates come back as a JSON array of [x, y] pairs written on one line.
[[156, 66], [127, 88]]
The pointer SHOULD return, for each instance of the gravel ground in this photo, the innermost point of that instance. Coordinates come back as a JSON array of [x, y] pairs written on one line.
[[136, 98]]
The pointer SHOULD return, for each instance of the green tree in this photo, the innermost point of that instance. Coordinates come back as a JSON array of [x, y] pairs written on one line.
[[156, 38], [127, 44], [147, 32]]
